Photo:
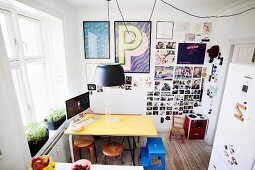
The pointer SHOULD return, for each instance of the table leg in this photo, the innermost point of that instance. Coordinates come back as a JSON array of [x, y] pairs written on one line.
[[132, 151], [71, 147]]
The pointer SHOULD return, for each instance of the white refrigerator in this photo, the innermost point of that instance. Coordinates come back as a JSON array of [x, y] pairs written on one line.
[[234, 144]]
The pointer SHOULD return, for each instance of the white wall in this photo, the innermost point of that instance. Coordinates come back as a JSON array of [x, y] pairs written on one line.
[[228, 31], [124, 101]]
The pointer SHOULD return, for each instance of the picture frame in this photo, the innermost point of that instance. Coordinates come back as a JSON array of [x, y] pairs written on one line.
[[133, 46], [91, 86], [164, 30], [96, 36]]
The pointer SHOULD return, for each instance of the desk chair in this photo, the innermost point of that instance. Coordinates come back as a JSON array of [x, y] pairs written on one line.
[[88, 143], [177, 127], [112, 149]]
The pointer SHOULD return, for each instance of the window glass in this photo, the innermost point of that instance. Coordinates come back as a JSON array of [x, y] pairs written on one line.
[[18, 88], [29, 32], [37, 82]]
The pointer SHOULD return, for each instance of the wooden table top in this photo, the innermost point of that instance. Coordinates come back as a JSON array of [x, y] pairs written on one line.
[[128, 125]]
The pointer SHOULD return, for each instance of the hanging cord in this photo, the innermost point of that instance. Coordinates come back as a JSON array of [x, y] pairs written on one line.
[[211, 16], [108, 10], [108, 14], [153, 9], [122, 17]]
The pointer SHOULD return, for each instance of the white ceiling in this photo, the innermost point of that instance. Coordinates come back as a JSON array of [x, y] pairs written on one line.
[[189, 5]]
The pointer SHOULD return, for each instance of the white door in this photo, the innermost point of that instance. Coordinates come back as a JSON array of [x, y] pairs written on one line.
[[244, 54]]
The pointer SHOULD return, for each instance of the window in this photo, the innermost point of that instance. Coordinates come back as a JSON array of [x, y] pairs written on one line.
[[36, 83]]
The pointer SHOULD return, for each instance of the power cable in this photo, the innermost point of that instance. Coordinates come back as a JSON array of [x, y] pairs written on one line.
[[211, 16], [153, 9], [122, 17]]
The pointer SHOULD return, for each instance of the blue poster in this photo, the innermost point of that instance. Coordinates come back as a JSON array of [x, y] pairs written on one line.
[[96, 39], [191, 53]]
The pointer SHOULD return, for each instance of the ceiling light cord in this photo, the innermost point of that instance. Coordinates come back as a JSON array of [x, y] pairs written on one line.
[[122, 16], [211, 16], [108, 10], [153, 9]]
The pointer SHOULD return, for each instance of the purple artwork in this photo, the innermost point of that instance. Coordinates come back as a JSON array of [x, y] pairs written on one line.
[[133, 45], [191, 53]]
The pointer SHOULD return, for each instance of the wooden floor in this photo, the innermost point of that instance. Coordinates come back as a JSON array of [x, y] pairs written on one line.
[[193, 155]]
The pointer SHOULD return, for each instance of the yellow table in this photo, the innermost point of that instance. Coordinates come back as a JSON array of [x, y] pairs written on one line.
[[128, 125]]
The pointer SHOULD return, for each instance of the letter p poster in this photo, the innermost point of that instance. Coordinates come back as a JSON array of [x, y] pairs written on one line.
[[132, 45]]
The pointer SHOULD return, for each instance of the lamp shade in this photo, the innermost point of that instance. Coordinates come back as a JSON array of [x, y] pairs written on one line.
[[108, 75]]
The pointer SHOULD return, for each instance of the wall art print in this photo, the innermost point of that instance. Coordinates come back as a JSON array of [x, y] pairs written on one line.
[[96, 39], [191, 53], [132, 47]]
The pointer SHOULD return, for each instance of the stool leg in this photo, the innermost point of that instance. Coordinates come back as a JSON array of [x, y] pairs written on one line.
[[170, 136], [74, 153], [95, 151], [105, 159], [91, 152], [123, 140], [80, 154], [183, 138]]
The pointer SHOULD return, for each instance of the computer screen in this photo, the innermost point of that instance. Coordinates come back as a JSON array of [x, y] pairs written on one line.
[[77, 105]]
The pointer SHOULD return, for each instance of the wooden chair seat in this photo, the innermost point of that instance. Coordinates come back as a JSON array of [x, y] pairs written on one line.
[[86, 142], [177, 128], [82, 143], [113, 149]]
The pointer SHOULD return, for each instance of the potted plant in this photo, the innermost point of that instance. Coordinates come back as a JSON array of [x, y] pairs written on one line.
[[56, 118], [37, 135]]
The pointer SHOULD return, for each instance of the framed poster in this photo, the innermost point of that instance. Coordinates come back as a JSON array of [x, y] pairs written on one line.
[[165, 30], [132, 46], [96, 39], [191, 53]]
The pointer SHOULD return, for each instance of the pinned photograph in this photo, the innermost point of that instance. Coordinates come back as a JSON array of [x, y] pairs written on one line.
[[160, 45], [170, 45], [188, 98], [148, 113], [190, 37], [183, 73], [197, 72], [155, 113], [196, 83], [128, 87], [99, 89], [165, 57], [91, 87], [156, 93], [149, 103], [166, 87], [207, 28], [149, 108], [128, 80], [149, 93]]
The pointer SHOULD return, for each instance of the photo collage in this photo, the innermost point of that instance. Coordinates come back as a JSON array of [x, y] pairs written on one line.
[[179, 95]]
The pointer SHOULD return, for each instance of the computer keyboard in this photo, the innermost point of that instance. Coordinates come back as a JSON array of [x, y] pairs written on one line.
[[86, 122]]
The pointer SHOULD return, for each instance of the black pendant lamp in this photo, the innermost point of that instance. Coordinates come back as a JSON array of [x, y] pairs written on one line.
[[109, 75]]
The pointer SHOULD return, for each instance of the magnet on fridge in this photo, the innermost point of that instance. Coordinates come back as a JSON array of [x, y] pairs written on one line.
[[161, 120]]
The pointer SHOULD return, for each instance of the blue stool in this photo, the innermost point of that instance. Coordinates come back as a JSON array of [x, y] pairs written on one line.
[[154, 148]]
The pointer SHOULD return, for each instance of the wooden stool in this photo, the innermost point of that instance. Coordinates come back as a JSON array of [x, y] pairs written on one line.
[[86, 142], [112, 149]]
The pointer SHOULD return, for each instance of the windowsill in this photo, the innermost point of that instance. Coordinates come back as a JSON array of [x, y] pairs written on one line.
[[53, 134]]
